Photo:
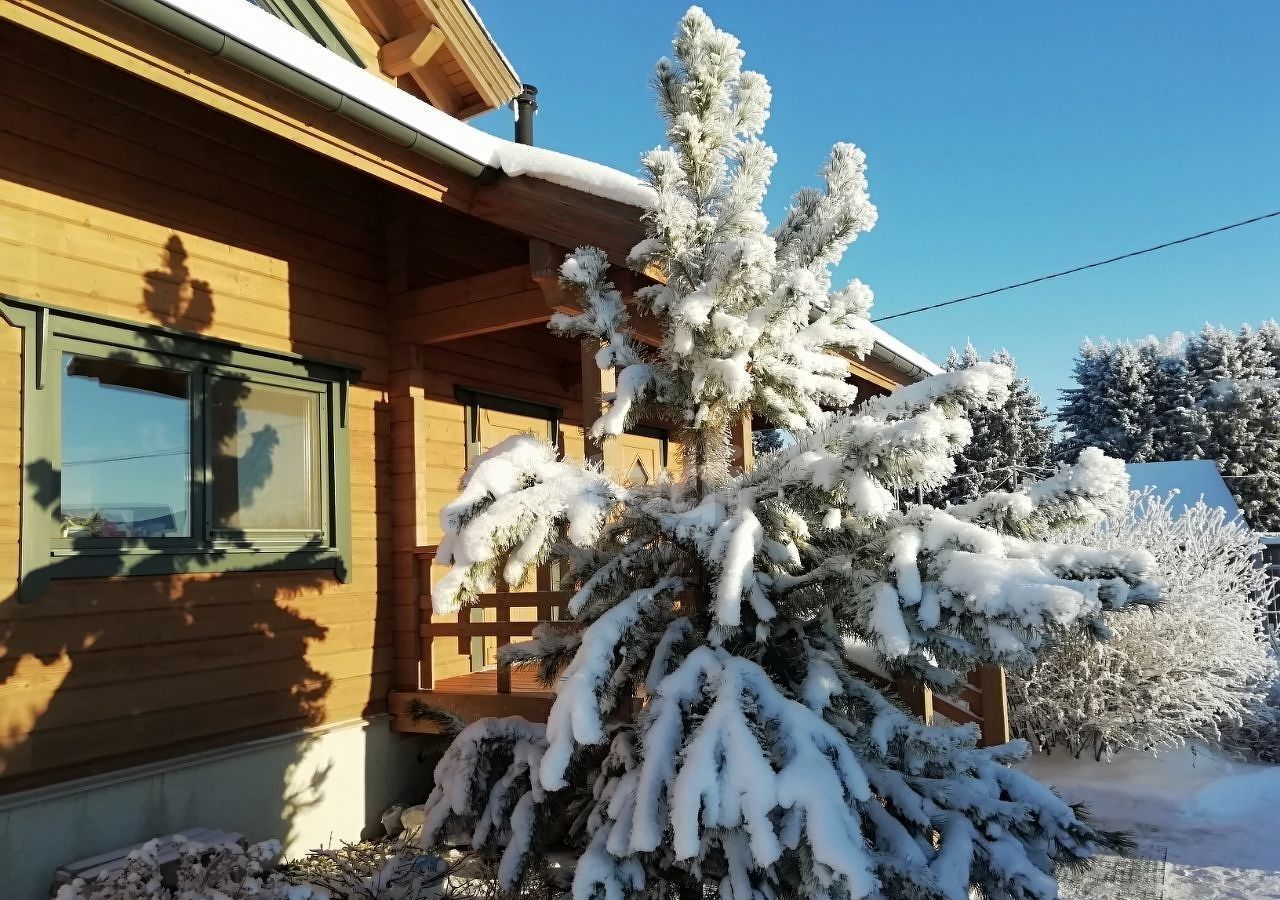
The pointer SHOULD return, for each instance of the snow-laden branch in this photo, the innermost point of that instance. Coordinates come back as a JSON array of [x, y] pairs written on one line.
[[515, 502]]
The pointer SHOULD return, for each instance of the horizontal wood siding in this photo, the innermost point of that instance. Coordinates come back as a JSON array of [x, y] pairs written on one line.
[[119, 198]]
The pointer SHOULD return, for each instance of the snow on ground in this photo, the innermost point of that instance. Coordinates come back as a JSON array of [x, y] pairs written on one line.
[[1218, 820]]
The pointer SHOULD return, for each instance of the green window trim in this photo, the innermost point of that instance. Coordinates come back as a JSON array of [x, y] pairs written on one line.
[[473, 401], [48, 332], [307, 16]]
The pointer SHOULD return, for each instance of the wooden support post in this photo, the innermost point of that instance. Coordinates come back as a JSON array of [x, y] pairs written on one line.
[[744, 457], [995, 706], [503, 612], [411, 575], [918, 697], [595, 385], [409, 518]]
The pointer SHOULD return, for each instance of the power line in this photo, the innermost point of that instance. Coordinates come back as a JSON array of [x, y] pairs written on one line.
[[179, 451], [1092, 265]]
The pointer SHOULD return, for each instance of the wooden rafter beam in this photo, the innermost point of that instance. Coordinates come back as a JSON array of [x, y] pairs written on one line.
[[473, 50], [878, 373], [410, 52], [494, 301], [544, 267], [438, 89], [382, 17]]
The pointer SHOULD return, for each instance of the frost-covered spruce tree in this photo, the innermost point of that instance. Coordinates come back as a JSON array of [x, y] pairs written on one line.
[[1112, 405], [707, 731], [1086, 421], [1011, 443], [1235, 381], [1181, 428]]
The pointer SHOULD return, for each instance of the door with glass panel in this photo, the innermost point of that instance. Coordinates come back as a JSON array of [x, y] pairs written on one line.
[[490, 426], [641, 456]]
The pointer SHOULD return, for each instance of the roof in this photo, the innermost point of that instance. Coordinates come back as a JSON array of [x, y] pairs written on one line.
[[255, 28], [1193, 480], [888, 347]]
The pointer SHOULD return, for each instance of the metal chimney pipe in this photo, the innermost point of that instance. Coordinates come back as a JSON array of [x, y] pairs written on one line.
[[526, 106]]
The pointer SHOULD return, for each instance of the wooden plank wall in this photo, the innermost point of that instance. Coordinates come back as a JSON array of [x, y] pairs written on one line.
[[151, 208]]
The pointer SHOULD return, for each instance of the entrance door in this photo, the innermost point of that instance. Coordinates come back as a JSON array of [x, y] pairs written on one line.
[[492, 420], [641, 455]]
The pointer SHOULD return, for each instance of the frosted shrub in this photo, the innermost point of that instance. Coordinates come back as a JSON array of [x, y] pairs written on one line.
[[761, 766], [1169, 675]]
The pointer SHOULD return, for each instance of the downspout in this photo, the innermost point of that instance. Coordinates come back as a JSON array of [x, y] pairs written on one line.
[[252, 59]]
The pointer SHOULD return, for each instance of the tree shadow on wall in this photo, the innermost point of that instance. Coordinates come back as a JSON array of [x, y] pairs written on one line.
[[104, 673]]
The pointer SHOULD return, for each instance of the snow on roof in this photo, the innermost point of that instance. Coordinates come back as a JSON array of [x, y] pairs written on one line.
[[886, 341], [259, 29], [262, 31], [1193, 479]]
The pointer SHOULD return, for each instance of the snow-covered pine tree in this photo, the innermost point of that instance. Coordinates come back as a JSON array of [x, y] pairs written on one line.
[[1111, 406], [1084, 420], [760, 764], [1235, 381], [1011, 443], [1180, 428]]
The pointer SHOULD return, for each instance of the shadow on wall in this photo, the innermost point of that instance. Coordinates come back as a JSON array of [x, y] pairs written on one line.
[[101, 674]]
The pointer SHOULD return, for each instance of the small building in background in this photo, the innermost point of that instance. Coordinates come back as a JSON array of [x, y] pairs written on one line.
[[1193, 479], [1196, 480]]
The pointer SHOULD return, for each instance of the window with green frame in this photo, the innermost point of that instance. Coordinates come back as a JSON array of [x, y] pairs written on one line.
[[308, 17], [147, 451]]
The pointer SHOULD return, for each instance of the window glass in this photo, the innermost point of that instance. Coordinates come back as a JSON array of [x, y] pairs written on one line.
[[265, 446], [126, 450]]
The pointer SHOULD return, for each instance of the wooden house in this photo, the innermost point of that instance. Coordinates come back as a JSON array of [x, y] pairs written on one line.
[[264, 292]]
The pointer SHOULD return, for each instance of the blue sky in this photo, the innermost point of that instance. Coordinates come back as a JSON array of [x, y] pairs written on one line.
[[1005, 140]]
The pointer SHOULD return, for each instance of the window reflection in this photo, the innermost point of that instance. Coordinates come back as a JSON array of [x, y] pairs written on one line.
[[126, 450], [266, 474]]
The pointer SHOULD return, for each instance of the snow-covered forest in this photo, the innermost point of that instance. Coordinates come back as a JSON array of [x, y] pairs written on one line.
[[1211, 396]]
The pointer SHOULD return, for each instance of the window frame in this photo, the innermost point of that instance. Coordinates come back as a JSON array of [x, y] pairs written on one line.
[[473, 401], [307, 17], [321, 453], [658, 433], [48, 332]]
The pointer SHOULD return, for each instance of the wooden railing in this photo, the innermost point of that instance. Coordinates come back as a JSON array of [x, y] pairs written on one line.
[[981, 700], [545, 602]]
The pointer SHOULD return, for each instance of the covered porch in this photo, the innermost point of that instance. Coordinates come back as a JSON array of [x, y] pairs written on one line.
[[472, 362]]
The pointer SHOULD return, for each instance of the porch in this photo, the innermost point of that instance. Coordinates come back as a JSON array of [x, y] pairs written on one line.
[[473, 363], [477, 633]]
